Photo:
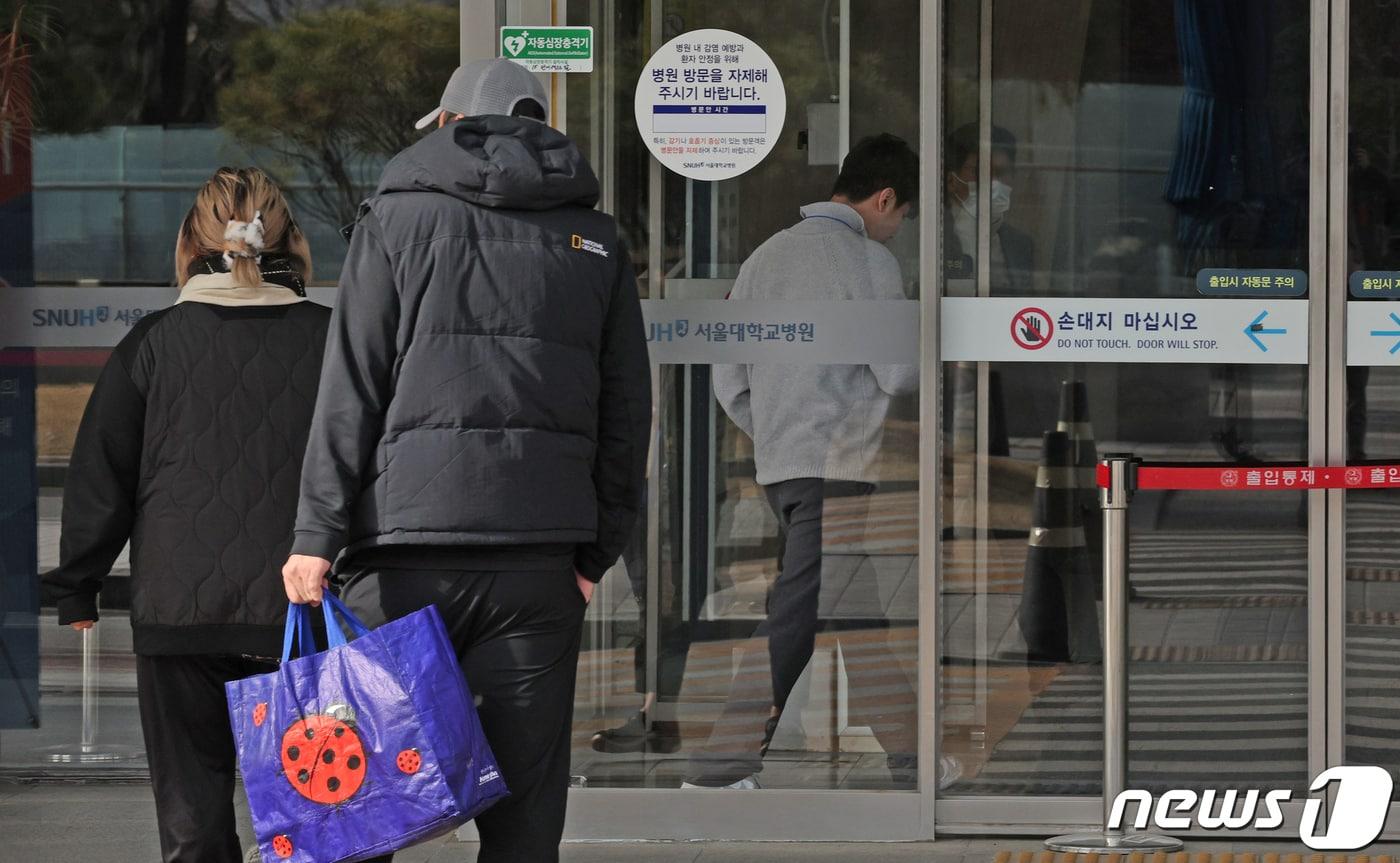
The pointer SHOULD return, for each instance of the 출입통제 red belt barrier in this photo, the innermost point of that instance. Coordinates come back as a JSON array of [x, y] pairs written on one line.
[[1260, 478]]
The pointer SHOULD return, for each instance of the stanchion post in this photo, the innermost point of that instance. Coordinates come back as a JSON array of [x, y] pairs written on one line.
[[86, 750], [89, 734], [1114, 498]]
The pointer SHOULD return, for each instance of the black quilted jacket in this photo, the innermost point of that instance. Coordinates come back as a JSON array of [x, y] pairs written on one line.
[[486, 376], [191, 447]]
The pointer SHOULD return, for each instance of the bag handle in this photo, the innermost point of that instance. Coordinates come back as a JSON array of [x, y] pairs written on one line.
[[335, 636], [298, 629]]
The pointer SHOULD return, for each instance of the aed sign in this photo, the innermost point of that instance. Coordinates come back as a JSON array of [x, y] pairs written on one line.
[[549, 49], [1039, 330]]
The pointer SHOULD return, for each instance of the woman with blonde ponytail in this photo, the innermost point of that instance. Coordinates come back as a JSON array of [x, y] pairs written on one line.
[[240, 231], [190, 448]]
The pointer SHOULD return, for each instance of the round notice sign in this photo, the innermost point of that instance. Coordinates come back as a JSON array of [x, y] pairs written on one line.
[[710, 104]]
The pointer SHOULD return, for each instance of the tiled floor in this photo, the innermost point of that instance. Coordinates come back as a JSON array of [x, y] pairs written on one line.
[[67, 822]]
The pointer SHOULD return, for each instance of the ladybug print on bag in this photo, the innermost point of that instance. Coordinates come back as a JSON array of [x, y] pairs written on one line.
[[409, 761], [260, 714], [282, 846], [324, 759]]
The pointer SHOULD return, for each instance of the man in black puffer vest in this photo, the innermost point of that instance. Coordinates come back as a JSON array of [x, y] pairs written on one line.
[[480, 435]]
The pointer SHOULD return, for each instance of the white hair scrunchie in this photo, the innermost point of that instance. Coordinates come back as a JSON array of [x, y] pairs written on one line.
[[251, 235]]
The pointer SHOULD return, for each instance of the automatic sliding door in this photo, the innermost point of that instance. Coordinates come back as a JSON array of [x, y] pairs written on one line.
[[1111, 168], [1366, 419]]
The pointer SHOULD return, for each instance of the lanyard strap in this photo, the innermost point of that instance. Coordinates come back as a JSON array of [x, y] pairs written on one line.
[[842, 222]]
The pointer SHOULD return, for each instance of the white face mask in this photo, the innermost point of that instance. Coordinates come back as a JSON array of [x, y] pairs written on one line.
[[1001, 201]]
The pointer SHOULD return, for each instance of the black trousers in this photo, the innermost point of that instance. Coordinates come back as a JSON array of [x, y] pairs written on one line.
[[517, 638], [673, 629], [774, 659], [189, 744]]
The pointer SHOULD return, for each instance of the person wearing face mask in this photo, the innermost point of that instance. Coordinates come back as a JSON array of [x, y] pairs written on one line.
[[1012, 252]]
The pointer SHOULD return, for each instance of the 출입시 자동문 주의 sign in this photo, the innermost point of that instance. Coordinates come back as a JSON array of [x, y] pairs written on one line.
[[1374, 284], [710, 104], [549, 49], [1251, 283], [1044, 329]]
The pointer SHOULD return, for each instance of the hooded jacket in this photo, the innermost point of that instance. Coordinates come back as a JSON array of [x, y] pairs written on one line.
[[190, 447], [486, 379]]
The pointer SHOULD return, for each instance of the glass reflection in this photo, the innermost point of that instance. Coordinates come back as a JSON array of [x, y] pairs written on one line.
[[1131, 146], [687, 674]]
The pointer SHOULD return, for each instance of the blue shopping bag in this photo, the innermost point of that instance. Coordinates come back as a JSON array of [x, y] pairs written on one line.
[[364, 748]]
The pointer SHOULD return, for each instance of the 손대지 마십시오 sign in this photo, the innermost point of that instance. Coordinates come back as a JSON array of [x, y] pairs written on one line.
[[710, 104], [549, 49], [1034, 329]]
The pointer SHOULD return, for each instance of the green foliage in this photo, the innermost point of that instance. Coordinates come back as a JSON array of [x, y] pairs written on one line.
[[125, 62], [327, 89]]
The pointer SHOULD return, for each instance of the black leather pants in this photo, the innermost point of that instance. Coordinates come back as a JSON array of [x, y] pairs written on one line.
[[517, 638]]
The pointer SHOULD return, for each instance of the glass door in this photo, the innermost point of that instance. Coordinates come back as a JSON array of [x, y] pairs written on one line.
[[1132, 261], [1365, 267], [690, 675]]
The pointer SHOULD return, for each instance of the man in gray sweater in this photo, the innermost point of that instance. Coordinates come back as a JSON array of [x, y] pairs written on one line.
[[817, 431]]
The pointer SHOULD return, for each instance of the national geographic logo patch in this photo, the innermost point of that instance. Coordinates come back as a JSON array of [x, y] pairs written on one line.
[[589, 246]]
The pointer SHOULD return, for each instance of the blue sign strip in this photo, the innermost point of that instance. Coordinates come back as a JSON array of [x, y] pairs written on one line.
[[19, 557], [709, 109]]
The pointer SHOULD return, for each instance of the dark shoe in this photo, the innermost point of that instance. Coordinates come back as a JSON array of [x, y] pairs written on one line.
[[769, 729], [635, 735]]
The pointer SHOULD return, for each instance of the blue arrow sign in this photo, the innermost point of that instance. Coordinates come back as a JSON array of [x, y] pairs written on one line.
[[1390, 334], [1256, 329]]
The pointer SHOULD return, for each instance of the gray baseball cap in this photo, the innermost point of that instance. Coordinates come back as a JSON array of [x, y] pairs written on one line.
[[483, 87]]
